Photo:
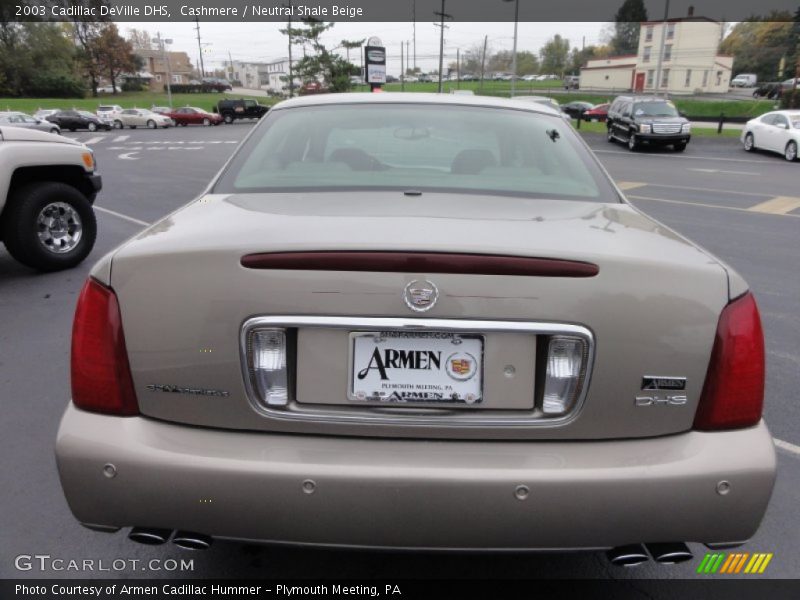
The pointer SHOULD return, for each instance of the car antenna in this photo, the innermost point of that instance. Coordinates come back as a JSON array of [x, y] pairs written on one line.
[[553, 134]]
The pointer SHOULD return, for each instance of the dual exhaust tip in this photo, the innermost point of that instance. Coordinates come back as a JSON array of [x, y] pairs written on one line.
[[183, 539], [668, 553]]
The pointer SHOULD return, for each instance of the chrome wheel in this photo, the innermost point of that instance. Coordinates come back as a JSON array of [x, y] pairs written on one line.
[[59, 227], [206, 122], [790, 153], [633, 143], [151, 124], [749, 144], [92, 127]]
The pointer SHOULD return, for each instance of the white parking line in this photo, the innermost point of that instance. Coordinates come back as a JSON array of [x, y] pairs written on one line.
[[93, 140], [677, 156], [121, 216], [120, 138], [704, 205], [787, 446]]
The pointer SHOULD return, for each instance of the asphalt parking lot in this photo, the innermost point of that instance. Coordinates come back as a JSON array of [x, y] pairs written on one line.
[[745, 208]]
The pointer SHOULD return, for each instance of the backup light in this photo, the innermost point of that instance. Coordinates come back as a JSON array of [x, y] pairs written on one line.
[[268, 366], [566, 359]]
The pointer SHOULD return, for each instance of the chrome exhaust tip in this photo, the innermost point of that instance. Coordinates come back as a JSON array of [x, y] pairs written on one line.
[[670, 553], [627, 556], [192, 541], [149, 535]]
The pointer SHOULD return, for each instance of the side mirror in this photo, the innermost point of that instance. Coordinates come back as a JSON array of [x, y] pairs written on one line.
[[681, 113]]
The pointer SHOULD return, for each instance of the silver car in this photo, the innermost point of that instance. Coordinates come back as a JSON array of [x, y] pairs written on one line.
[[141, 117], [417, 321], [20, 119]]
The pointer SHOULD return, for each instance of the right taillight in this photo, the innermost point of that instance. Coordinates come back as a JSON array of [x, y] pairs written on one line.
[[733, 393], [101, 375]]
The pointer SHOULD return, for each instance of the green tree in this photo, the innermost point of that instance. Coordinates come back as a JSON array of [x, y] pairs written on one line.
[[116, 55], [319, 63], [760, 45], [627, 24], [554, 55]]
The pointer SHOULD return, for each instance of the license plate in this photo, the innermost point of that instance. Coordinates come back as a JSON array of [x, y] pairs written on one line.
[[399, 367]]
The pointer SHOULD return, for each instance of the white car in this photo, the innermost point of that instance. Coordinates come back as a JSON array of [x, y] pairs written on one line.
[[777, 131], [141, 117], [43, 113], [109, 110]]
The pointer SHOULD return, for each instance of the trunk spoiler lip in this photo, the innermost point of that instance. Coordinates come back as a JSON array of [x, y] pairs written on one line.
[[421, 262]]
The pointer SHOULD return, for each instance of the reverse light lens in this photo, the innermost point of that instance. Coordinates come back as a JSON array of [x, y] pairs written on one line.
[[566, 357], [268, 356], [100, 373], [733, 392]]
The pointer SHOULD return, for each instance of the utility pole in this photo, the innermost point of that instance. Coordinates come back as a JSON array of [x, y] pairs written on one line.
[[200, 48], [483, 59], [442, 15], [165, 58], [661, 51], [458, 68], [408, 55], [230, 62], [414, 23], [402, 70], [289, 33]]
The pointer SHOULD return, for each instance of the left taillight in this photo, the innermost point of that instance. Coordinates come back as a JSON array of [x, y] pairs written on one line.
[[101, 375]]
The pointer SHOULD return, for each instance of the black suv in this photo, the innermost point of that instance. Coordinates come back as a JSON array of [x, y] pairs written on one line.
[[638, 120], [230, 110]]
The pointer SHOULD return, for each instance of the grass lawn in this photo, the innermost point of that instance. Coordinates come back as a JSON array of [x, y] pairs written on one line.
[[125, 100], [693, 108], [696, 131]]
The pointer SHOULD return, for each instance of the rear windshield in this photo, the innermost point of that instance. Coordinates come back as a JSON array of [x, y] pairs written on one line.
[[422, 147]]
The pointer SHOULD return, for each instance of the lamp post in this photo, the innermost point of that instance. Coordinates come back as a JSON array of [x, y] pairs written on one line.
[[514, 50]]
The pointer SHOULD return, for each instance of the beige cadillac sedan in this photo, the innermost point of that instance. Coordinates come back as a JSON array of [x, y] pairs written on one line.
[[417, 321]]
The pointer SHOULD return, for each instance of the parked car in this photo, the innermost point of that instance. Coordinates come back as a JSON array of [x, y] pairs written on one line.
[[771, 91], [391, 79], [425, 78], [107, 89], [597, 113], [76, 119], [109, 110], [647, 120], [544, 101], [217, 84], [789, 84], [468, 77], [19, 119], [356, 80], [411, 79], [533, 363], [577, 108], [161, 110], [744, 80], [192, 115], [107, 122], [48, 184], [312, 87], [232, 109], [141, 117], [43, 113], [530, 78], [777, 131], [501, 77], [572, 82]]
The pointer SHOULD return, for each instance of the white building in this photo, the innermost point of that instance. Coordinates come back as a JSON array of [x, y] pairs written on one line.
[[690, 62], [272, 76]]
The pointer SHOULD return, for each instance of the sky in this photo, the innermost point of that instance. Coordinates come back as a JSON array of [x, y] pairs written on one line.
[[262, 42]]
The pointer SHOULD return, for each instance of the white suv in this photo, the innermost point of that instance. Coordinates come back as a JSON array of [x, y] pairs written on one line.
[[109, 111]]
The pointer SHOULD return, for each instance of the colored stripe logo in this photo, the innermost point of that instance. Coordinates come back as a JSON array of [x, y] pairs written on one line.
[[733, 563]]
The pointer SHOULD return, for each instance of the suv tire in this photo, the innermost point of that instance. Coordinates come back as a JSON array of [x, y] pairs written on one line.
[[25, 231], [610, 135], [749, 143], [679, 147], [633, 143], [228, 118]]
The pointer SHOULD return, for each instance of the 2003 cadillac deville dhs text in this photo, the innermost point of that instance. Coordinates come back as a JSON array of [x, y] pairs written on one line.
[[415, 321]]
